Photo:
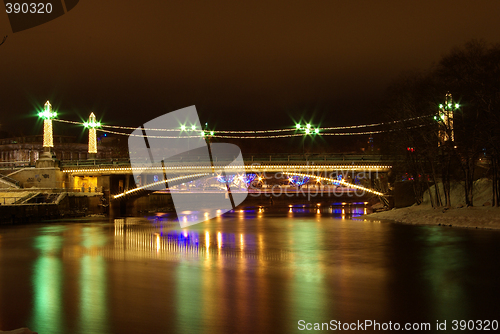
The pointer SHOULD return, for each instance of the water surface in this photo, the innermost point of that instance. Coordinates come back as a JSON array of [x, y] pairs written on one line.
[[258, 270]]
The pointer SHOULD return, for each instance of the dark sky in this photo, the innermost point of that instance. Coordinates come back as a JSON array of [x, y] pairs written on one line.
[[245, 65]]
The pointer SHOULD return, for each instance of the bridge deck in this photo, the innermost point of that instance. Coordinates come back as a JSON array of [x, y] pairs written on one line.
[[252, 164]]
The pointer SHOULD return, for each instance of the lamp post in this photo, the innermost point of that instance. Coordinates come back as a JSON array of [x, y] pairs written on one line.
[[91, 125], [446, 112], [308, 130], [48, 141]]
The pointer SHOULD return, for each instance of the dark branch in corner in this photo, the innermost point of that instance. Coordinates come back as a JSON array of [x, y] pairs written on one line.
[[3, 40]]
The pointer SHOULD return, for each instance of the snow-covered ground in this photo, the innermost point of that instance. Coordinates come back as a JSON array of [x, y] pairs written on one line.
[[482, 215]]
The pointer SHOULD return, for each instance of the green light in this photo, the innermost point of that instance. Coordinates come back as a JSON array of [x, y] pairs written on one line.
[[308, 131], [449, 105], [442, 116], [47, 114], [193, 127], [183, 127], [211, 133], [457, 105], [92, 124], [297, 126], [440, 106], [308, 126], [316, 130], [203, 133], [436, 118]]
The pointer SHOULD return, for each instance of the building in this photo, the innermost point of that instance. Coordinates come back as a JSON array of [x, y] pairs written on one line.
[[26, 150]]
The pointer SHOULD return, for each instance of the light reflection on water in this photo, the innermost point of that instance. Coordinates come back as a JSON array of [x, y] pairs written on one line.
[[255, 270]]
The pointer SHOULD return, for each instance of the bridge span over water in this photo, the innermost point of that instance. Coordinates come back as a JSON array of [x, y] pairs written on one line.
[[123, 179], [115, 177], [299, 175]]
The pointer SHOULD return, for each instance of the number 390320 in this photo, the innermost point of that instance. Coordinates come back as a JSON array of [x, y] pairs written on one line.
[[33, 8]]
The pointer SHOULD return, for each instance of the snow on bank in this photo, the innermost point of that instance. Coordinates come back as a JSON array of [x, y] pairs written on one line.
[[480, 216]]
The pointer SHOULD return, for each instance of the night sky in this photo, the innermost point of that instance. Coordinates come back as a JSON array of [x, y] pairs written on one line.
[[245, 65]]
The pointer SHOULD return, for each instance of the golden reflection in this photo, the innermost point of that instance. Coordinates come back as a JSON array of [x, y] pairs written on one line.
[[241, 241], [219, 240], [207, 240]]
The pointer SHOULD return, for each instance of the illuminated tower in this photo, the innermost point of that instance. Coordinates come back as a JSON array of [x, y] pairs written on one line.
[[446, 111], [48, 141], [91, 125]]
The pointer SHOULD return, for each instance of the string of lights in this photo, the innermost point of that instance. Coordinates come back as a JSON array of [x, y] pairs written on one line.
[[202, 134], [134, 135], [264, 137], [306, 128], [374, 124], [249, 137]]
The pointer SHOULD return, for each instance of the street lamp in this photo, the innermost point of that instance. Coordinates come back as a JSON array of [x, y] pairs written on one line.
[[308, 130]]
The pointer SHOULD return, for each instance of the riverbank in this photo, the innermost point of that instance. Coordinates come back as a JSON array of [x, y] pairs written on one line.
[[472, 217], [482, 215]]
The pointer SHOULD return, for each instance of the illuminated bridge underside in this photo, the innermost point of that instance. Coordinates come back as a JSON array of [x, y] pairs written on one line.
[[181, 179]]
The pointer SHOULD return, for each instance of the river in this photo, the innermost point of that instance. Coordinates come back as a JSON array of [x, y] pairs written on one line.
[[256, 270]]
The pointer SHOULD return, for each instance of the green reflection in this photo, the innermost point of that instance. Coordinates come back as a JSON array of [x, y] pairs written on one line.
[[93, 308], [48, 313], [189, 298], [93, 237], [308, 285], [444, 262]]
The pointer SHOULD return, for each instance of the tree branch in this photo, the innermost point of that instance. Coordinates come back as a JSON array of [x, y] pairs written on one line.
[[5, 37]]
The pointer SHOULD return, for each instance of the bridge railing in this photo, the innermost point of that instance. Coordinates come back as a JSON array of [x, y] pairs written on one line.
[[249, 159], [14, 164]]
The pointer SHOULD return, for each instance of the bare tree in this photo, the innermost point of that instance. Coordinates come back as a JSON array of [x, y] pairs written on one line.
[[473, 73]]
